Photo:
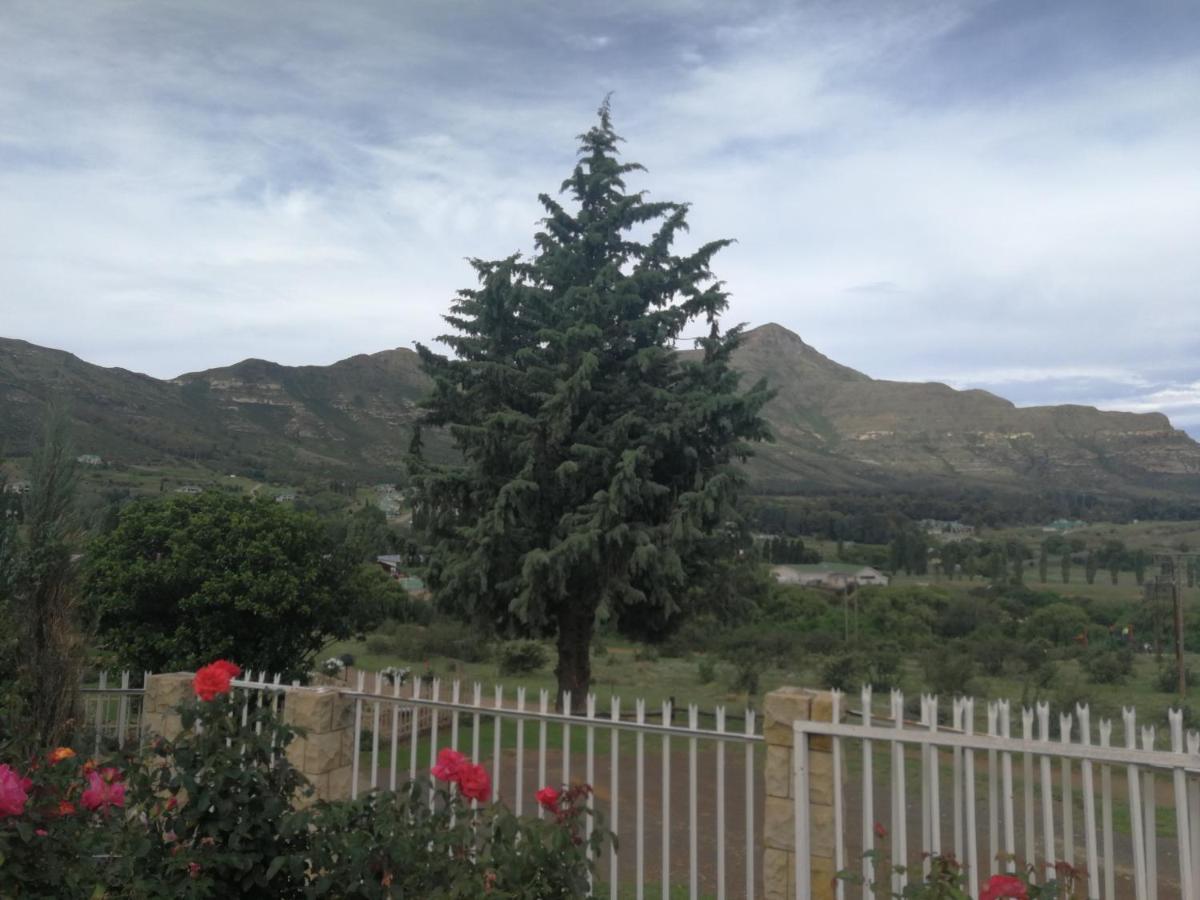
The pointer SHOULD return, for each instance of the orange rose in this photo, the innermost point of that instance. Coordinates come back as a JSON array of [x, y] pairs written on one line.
[[60, 754]]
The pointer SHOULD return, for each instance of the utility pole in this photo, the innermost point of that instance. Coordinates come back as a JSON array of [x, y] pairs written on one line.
[[1163, 589]]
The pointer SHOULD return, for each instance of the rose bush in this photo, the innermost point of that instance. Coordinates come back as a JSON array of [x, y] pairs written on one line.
[[220, 812], [948, 879]]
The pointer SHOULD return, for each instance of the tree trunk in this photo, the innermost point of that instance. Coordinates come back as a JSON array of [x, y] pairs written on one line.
[[574, 670]]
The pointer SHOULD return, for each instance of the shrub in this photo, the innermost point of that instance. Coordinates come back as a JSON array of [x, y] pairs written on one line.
[[843, 672], [220, 798], [950, 671], [645, 653], [746, 676], [449, 639], [383, 644], [522, 657], [402, 845], [1166, 681], [706, 671], [1108, 666]]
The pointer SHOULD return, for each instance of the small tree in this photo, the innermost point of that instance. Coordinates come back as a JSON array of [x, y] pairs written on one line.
[[1139, 565], [182, 581], [597, 462], [1043, 564], [41, 601], [1064, 566], [1091, 566]]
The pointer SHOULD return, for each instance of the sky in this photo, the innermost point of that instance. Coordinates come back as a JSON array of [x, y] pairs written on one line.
[[1002, 194]]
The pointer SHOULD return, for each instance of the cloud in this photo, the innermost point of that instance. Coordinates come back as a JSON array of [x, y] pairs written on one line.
[[990, 194]]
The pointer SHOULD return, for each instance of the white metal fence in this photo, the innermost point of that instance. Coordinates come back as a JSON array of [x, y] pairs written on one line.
[[996, 802], [684, 800], [112, 711], [531, 745]]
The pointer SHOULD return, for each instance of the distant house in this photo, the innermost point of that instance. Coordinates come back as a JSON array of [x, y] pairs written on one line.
[[834, 576], [949, 531], [395, 567], [89, 459], [285, 497], [189, 489], [17, 487], [1062, 526]]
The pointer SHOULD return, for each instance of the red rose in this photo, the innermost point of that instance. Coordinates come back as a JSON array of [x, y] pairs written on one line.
[[547, 797], [1004, 886], [449, 766], [214, 679], [66, 809], [475, 783]]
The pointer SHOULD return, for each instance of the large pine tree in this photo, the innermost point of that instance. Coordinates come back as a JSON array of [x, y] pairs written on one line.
[[598, 464]]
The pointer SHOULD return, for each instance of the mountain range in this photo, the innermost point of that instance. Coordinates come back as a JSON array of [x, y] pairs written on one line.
[[836, 429]]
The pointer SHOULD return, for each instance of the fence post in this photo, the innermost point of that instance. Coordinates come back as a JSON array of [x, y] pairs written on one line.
[[163, 693], [781, 708], [325, 754]]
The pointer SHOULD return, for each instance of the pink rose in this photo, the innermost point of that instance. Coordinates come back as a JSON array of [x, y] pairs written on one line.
[[14, 792], [104, 790]]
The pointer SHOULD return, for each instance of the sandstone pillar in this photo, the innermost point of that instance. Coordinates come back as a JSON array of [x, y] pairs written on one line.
[[781, 708]]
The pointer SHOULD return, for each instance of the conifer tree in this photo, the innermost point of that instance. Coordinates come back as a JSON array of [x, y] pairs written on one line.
[[598, 464]]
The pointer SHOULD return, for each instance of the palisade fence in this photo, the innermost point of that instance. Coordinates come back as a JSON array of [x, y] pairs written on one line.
[[684, 790], [1125, 815], [681, 794]]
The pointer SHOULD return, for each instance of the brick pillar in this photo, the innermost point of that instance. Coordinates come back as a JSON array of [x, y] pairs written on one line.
[[163, 694], [781, 708], [325, 754]]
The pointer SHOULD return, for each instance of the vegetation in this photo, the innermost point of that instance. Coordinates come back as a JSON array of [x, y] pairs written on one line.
[[221, 812], [184, 579], [598, 465], [42, 647]]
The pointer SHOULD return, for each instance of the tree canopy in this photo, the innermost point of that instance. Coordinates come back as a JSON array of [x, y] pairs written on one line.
[[186, 580], [598, 463]]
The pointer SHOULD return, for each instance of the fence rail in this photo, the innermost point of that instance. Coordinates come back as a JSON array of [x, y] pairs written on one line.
[[1016, 808]]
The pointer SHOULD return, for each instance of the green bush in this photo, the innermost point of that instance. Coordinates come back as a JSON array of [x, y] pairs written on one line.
[[383, 644], [645, 653], [746, 675], [1166, 680], [1108, 666], [402, 845], [522, 657], [449, 639], [706, 671], [843, 672], [950, 671]]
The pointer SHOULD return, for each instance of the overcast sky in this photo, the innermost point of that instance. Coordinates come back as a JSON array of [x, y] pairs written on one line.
[[992, 194]]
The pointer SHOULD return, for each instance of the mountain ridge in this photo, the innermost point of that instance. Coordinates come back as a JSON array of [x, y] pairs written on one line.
[[836, 428]]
